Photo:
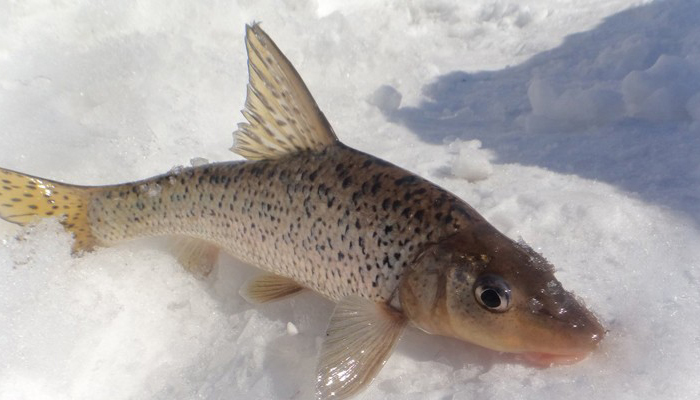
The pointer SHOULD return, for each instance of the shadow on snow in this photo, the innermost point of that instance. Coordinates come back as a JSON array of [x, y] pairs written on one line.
[[613, 104]]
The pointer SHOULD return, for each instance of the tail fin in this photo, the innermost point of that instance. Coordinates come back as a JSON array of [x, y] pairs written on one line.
[[25, 198]]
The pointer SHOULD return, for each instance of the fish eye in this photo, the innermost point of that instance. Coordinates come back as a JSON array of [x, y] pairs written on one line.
[[493, 293]]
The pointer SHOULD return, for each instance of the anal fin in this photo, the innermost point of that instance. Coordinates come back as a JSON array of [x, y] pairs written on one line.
[[360, 338], [196, 255], [269, 287]]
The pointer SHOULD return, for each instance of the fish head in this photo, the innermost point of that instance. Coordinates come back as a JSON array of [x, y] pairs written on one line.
[[482, 287]]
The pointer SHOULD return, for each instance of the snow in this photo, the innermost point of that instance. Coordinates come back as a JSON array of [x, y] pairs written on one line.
[[574, 125], [470, 161]]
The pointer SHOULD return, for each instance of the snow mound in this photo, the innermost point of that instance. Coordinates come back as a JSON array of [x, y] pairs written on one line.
[[470, 161]]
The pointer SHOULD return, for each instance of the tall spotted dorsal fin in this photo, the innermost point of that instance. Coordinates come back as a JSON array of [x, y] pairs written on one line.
[[282, 115]]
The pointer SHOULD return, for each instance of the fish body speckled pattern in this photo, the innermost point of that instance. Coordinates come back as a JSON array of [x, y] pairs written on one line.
[[389, 247], [338, 221]]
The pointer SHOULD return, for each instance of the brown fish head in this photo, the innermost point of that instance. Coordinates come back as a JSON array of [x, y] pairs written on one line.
[[481, 287]]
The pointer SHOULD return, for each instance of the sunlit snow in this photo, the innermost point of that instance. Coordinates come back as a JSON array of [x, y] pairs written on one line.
[[573, 125]]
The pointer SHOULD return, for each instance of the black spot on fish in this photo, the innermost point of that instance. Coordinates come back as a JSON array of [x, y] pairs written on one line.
[[418, 215], [375, 188], [346, 182], [385, 204], [409, 179], [387, 262], [440, 201]]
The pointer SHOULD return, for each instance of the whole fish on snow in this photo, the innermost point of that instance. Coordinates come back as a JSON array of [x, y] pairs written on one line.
[[386, 245]]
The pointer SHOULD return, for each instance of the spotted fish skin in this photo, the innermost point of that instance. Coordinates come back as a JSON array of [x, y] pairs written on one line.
[[338, 221]]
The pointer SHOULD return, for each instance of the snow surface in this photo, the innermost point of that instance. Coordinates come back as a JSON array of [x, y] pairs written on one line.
[[574, 125]]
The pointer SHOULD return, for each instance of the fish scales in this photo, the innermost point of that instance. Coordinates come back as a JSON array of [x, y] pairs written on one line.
[[339, 221]]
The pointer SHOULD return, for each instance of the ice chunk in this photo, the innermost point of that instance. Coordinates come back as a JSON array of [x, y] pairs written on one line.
[[199, 161], [471, 162], [150, 189], [292, 329], [177, 170]]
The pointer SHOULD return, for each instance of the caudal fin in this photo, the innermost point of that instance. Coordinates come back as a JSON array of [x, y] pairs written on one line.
[[24, 199]]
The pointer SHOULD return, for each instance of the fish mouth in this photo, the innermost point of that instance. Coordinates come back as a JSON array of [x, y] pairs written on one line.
[[550, 359]]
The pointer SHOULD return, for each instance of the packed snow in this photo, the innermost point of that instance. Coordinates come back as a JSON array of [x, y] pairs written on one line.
[[572, 125]]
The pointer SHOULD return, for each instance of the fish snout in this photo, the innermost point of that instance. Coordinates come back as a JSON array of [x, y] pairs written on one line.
[[579, 331]]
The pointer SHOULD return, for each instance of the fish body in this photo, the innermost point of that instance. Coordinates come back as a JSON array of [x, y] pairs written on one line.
[[339, 221], [389, 247]]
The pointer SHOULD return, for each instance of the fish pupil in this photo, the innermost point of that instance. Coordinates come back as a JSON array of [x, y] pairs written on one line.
[[490, 298]]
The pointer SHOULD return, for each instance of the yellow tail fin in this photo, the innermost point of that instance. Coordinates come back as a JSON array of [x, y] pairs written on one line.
[[25, 198]]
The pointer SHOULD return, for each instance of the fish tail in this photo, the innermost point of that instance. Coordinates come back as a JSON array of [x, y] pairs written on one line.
[[25, 199]]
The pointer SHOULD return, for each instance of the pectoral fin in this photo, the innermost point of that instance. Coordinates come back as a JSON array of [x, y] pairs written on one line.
[[269, 287], [359, 340], [196, 255]]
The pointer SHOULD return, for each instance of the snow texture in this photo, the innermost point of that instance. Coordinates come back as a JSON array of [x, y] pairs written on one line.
[[574, 125]]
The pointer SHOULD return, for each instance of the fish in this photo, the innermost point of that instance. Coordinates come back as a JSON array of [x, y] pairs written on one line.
[[390, 248]]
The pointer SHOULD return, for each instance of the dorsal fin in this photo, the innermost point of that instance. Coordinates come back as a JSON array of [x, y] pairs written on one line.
[[282, 115]]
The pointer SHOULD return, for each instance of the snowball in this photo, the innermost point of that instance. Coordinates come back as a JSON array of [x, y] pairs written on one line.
[[471, 162], [386, 98]]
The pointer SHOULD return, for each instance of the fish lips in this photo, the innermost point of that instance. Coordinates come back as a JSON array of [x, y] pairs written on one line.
[[579, 333], [548, 359]]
